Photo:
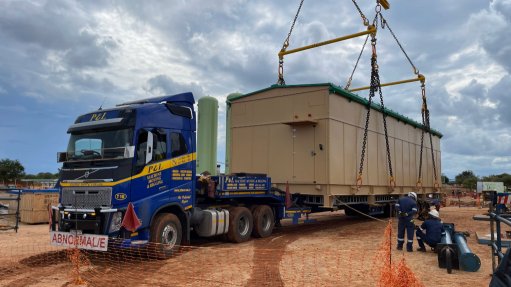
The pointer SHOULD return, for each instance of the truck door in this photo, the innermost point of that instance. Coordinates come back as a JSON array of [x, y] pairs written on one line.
[[303, 153], [151, 174], [182, 162]]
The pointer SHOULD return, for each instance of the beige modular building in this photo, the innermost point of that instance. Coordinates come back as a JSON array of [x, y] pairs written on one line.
[[311, 137]]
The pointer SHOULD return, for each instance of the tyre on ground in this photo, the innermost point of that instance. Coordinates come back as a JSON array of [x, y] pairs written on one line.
[[166, 235], [240, 224], [264, 221]]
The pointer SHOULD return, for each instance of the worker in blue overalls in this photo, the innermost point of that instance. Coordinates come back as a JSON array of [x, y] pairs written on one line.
[[406, 208], [434, 230]]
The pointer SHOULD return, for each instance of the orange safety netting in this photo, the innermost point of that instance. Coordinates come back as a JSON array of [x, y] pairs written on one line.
[[389, 273]]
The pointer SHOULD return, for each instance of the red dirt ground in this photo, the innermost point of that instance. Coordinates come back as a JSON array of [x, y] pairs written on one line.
[[335, 251]]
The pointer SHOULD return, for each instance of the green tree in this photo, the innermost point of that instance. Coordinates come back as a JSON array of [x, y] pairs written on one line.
[[504, 177], [467, 179], [11, 170], [42, 175], [445, 179]]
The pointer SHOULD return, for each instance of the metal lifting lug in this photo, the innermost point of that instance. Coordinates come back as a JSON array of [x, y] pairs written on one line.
[[421, 78]]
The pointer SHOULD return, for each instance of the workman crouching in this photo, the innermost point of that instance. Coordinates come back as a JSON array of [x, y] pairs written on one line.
[[434, 230], [406, 208], [435, 204]]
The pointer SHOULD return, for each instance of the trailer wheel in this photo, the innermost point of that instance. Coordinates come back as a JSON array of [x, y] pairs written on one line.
[[166, 235], [264, 221], [240, 224]]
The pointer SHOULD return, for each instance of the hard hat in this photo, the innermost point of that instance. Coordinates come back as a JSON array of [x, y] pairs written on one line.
[[413, 194], [434, 213]]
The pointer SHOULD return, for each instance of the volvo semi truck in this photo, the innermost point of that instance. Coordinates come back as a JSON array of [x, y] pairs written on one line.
[[143, 154]]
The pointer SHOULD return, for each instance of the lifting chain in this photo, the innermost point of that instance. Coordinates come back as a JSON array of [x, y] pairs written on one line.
[[375, 87], [281, 80], [426, 128], [424, 109]]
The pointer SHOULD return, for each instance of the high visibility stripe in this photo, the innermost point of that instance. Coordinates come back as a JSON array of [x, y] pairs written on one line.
[[410, 241], [148, 169], [503, 200], [414, 209], [397, 204], [419, 238], [400, 239]]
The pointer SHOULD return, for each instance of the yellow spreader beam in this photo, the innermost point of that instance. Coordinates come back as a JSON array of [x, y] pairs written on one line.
[[370, 29], [385, 4], [420, 78]]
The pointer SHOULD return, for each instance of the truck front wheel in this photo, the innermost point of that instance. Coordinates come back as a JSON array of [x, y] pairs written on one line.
[[264, 221], [166, 234], [240, 224]]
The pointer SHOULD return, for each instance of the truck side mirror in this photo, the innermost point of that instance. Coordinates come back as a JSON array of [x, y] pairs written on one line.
[[129, 151], [149, 147], [61, 156]]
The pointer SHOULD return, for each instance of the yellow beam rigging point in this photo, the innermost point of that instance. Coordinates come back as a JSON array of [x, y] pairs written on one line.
[[385, 4], [370, 30], [420, 78]]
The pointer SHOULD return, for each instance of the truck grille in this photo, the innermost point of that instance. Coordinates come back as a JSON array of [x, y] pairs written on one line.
[[87, 197]]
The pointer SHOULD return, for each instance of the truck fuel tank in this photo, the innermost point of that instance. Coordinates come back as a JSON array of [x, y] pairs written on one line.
[[212, 222]]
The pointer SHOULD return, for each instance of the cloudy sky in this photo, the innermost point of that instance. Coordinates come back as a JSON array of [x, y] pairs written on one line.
[[59, 59]]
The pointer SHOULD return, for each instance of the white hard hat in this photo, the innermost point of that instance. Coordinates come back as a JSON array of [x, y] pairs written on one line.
[[434, 213], [412, 194]]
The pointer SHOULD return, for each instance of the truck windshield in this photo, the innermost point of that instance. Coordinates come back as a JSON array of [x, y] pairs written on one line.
[[109, 144]]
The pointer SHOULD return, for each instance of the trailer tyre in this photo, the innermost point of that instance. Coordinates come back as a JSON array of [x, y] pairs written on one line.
[[166, 235], [264, 221], [240, 224]]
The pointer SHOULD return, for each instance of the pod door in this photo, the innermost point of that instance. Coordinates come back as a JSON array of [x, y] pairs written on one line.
[[304, 154]]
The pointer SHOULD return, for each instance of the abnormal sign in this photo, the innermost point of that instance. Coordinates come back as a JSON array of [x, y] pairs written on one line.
[[81, 241]]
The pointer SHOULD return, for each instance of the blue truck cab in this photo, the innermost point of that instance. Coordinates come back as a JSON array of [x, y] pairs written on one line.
[[143, 153]]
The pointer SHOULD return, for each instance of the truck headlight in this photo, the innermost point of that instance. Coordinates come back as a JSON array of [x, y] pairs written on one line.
[[115, 223]]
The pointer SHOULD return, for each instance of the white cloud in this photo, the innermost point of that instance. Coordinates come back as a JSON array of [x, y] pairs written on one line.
[[62, 54]]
